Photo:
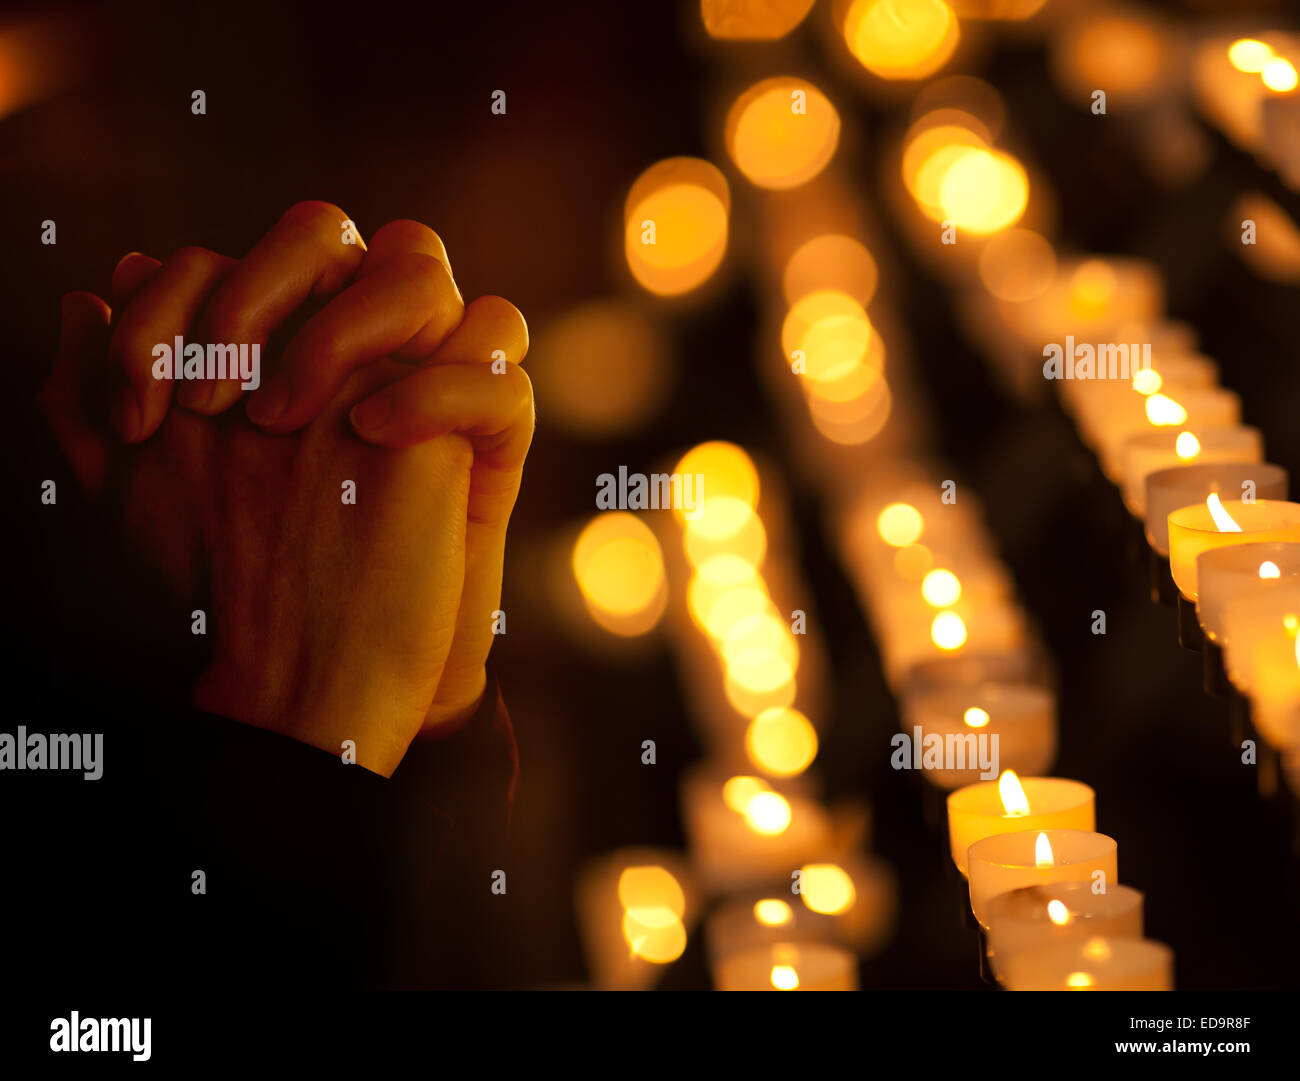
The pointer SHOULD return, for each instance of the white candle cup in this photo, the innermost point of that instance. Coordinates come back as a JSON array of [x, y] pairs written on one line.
[[1255, 623], [1224, 574], [1038, 917], [1008, 861], [1015, 722], [1093, 964], [1169, 489], [1153, 451], [1192, 531], [787, 966], [977, 812]]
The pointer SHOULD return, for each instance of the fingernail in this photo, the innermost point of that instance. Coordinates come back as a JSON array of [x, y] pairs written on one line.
[[195, 395], [126, 414], [372, 414], [267, 405]]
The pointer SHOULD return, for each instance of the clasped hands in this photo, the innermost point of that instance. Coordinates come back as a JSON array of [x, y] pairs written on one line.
[[329, 620]]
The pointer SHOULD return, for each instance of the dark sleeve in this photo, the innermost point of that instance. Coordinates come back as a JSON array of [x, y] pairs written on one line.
[[313, 872]]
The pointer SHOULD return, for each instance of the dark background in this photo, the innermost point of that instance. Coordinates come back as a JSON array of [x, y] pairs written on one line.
[[386, 113]]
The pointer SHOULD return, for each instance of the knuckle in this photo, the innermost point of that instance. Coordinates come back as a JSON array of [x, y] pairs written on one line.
[[315, 215], [406, 232], [191, 258]]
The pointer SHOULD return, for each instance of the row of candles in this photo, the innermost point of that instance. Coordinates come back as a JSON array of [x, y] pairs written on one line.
[[956, 647]]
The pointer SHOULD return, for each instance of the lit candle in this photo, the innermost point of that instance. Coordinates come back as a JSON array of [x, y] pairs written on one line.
[[1012, 805], [1171, 407], [635, 906], [1021, 716], [1093, 964], [1169, 489], [744, 834], [1224, 574], [1218, 524], [1167, 448], [787, 966], [1008, 861], [1037, 917]]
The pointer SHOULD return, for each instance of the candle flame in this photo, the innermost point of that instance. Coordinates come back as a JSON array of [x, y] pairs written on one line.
[[1187, 446], [1163, 411], [976, 717], [1249, 55], [1147, 381], [1222, 519], [1078, 980], [785, 978], [768, 813], [773, 912], [947, 631], [738, 791], [1058, 913], [1043, 855], [1269, 569], [1279, 74], [1014, 800]]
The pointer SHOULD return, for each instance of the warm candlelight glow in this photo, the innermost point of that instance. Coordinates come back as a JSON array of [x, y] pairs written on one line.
[[653, 904], [675, 225], [984, 191], [1280, 75], [827, 888], [899, 524], [738, 791], [1249, 55], [976, 718], [1012, 794], [773, 912], [767, 813], [1163, 411], [784, 978], [781, 741], [1043, 856], [948, 631], [1187, 446], [781, 132], [1147, 381], [830, 332], [901, 39], [1058, 913], [941, 588], [723, 469], [1269, 569], [1078, 979], [1222, 519], [618, 566]]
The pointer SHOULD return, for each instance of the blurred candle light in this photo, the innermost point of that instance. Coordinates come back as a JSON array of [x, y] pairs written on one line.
[[1151, 452], [1017, 265], [1006, 861], [675, 225], [834, 262], [744, 20], [1021, 716], [901, 39], [1036, 917], [618, 565], [781, 742], [782, 132], [1092, 964], [803, 966], [1012, 804]]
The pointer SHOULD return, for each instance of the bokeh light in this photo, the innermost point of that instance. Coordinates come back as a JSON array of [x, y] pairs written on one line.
[[619, 568], [781, 132], [901, 39], [675, 225]]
